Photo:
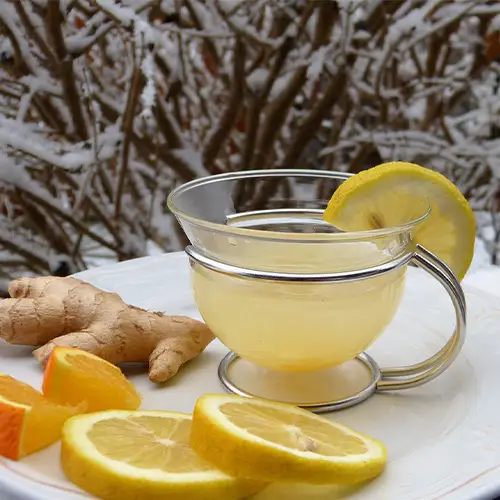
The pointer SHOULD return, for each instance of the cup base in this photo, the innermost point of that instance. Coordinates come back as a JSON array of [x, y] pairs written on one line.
[[320, 392]]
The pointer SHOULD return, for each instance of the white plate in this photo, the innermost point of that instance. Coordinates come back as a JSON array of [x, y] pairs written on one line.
[[443, 438]]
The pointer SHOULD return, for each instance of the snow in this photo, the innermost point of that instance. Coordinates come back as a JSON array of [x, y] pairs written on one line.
[[280, 85], [347, 5], [482, 258], [487, 280], [394, 104], [204, 16], [125, 15], [77, 43], [6, 49], [148, 95], [257, 79], [229, 5], [26, 242], [8, 16], [317, 62], [192, 159], [10, 171], [128, 17], [30, 144], [24, 104], [405, 26], [481, 273], [15, 135]]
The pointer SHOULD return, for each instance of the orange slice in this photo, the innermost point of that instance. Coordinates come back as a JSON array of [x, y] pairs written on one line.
[[73, 376], [28, 422]]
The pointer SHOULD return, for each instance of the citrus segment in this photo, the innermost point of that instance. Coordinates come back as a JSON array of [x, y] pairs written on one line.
[[394, 194], [280, 442], [28, 423], [144, 454], [73, 376]]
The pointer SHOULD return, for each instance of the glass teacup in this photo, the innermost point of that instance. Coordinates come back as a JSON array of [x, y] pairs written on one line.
[[290, 293]]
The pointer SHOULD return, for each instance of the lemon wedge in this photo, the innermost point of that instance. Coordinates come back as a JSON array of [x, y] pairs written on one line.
[[391, 194], [271, 441], [127, 455]]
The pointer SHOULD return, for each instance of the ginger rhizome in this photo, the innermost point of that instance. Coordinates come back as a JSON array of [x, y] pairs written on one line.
[[50, 311]]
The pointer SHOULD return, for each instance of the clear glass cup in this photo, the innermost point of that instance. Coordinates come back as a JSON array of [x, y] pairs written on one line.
[[275, 283]]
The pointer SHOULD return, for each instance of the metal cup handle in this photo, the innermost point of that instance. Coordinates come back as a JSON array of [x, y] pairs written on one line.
[[405, 377]]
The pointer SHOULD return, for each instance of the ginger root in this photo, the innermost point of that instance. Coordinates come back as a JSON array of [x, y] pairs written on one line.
[[50, 312]]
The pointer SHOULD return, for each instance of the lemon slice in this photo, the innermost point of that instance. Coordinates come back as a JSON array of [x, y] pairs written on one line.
[[391, 194], [127, 455], [271, 441]]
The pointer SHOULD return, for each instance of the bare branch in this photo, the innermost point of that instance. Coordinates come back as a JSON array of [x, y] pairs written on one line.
[[128, 120], [34, 34], [277, 111], [92, 139], [54, 22], [230, 114]]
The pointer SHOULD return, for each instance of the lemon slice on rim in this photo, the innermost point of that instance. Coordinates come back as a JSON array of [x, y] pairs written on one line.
[[391, 194], [271, 441], [130, 455]]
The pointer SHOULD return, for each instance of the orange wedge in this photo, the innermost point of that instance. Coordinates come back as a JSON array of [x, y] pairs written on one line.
[[73, 377], [28, 422]]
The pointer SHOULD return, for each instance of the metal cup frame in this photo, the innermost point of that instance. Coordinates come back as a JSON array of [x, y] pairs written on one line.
[[382, 379]]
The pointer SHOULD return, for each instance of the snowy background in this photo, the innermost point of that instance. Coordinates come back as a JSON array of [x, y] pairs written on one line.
[[106, 105]]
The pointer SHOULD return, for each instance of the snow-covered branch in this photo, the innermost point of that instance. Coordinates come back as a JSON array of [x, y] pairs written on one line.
[[105, 105]]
